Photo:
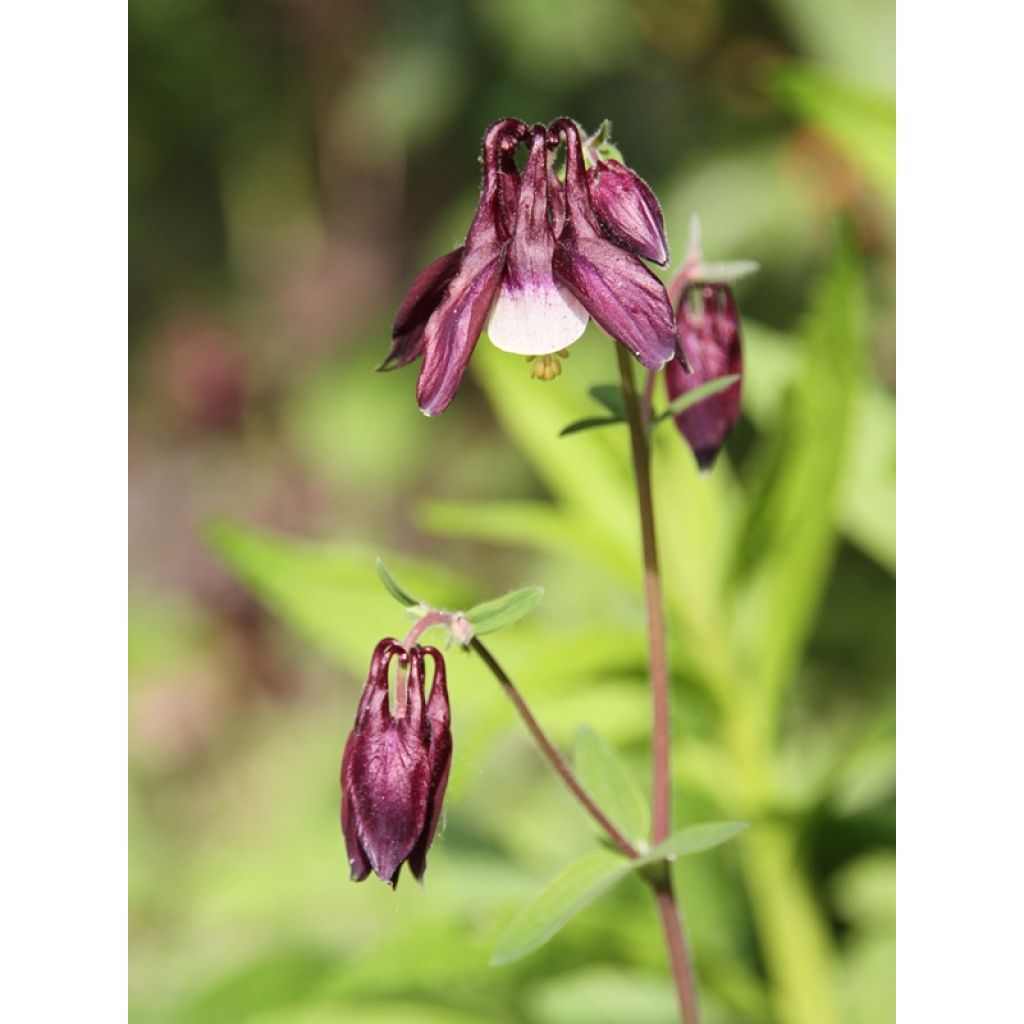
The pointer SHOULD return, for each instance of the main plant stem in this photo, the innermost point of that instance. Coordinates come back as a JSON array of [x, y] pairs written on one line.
[[661, 750]]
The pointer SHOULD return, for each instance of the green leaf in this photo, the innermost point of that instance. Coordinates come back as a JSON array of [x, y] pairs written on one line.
[[784, 554], [329, 593], [691, 398], [610, 396], [392, 586], [860, 122], [609, 781], [504, 611], [578, 885], [575, 888], [588, 423], [695, 839]]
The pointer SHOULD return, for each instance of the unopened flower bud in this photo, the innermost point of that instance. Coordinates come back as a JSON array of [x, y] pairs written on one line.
[[709, 333], [395, 768], [628, 210]]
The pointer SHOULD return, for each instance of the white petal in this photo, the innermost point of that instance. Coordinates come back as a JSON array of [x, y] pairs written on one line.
[[535, 320]]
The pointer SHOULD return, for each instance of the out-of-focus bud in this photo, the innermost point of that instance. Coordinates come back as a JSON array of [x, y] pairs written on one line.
[[395, 768], [709, 333], [628, 210]]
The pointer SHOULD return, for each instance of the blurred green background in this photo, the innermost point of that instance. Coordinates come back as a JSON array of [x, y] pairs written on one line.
[[292, 165]]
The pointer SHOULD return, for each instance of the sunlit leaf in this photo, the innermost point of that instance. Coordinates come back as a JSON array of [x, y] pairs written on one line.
[[695, 839], [784, 554], [575, 888], [611, 784], [329, 593], [505, 610], [861, 123]]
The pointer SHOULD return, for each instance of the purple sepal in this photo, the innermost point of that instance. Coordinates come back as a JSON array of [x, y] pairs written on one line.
[[452, 331], [628, 210], [614, 287], [439, 721], [709, 329], [420, 301]]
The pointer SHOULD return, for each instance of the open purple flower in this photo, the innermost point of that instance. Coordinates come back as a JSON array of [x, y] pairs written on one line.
[[395, 768], [709, 330], [538, 262]]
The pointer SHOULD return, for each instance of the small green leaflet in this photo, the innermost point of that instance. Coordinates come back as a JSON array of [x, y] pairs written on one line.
[[558, 903], [503, 611], [691, 398], [694, 839], [579, 884], [610, 396], [608, 780], [589, 423], [393, 587]]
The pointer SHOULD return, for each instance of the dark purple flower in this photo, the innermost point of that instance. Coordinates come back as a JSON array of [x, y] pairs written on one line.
[[395, 768], [628, 210], [536, 265], [709, 331]]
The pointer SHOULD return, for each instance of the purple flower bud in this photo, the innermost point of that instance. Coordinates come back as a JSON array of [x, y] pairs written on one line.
[[709, 332], [395, 768], [628, 210]]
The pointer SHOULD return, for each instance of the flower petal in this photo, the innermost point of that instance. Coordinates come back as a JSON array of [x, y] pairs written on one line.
[[440, 755], [621, 294], [533, 315], [419, 303], [628, 210], [454, 327]]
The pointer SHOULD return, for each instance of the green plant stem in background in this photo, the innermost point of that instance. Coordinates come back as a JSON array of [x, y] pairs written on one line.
[[551, 753], [661, 787]]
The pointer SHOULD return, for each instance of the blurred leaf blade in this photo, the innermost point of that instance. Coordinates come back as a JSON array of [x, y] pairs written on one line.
[[861, 123], [609, 781], [784, 553], [572, 890]]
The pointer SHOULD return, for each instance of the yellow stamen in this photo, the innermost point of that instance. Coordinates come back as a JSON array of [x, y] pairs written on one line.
[[545, 367]]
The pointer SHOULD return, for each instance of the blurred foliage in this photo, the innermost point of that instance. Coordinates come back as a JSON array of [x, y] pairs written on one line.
[[292, 164]]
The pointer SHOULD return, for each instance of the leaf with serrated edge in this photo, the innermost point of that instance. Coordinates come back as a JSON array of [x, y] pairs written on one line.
[[609, 781], [576, 887], [504, 611], [393, 587]]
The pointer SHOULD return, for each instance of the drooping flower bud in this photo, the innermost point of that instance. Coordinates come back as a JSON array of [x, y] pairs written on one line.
[[709, 333], [628, 210], [395, 768]]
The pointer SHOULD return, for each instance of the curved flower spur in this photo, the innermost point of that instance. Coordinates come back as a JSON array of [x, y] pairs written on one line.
[[395, 768], [541, 258]]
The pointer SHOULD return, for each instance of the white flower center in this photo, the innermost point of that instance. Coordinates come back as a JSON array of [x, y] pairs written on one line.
[[536, 319]]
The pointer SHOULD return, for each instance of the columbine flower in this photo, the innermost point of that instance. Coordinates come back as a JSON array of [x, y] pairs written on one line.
[[540, 259], [709, 331], [395, 768]]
